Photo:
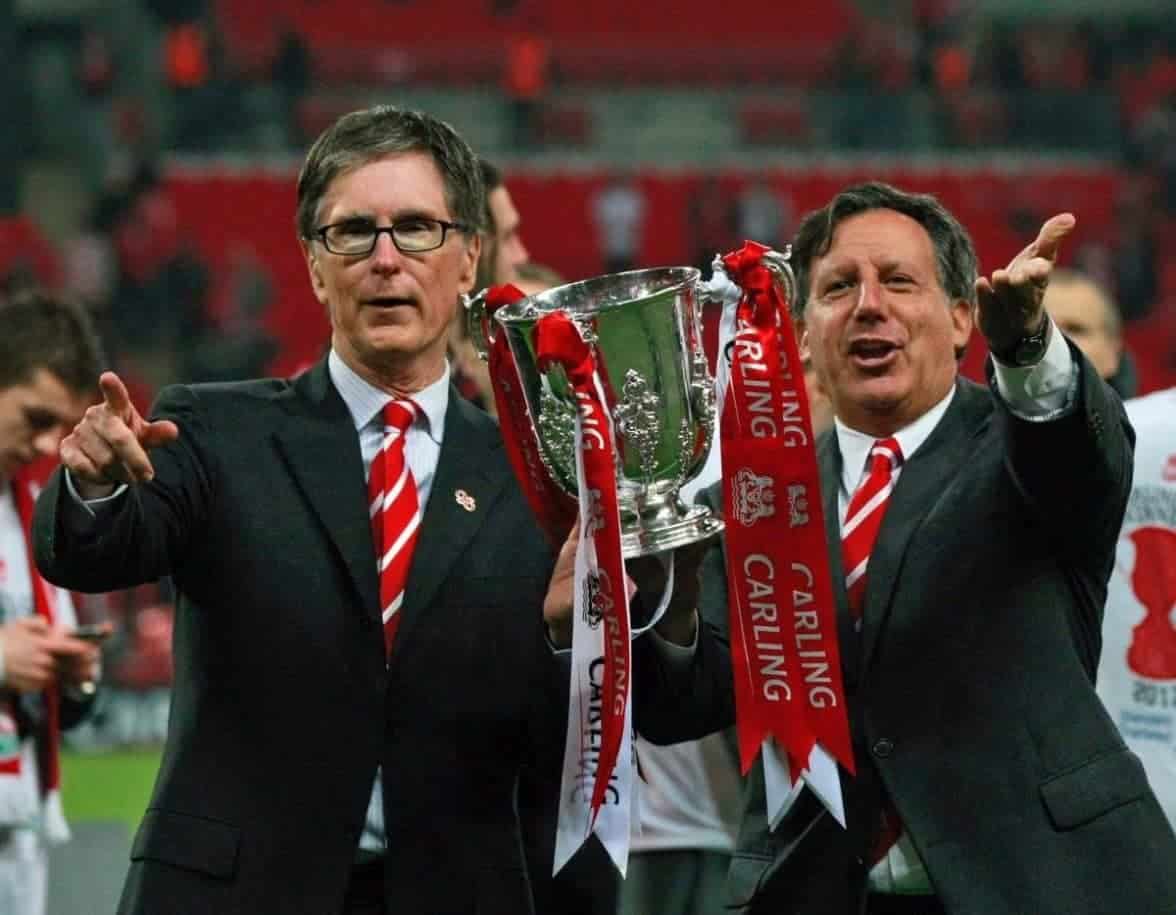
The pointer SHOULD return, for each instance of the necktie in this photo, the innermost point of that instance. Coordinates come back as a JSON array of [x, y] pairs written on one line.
[[395, 513], [864, 518], [858, 533]]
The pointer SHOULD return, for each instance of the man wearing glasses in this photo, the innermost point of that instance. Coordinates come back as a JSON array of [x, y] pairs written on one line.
[[358, 680]]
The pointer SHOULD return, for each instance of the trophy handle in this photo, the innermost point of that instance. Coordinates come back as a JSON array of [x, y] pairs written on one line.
[[478, 323], [778, 264], [694, 450]]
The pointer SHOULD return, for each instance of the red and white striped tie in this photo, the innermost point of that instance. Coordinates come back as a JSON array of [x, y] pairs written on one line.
[[395, 513], [864, 518], [858, 533]]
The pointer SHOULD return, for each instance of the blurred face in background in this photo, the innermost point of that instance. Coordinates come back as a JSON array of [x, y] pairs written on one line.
[[1084, 314], [390, 310], [880, 329], [508, 250], [34, 417]]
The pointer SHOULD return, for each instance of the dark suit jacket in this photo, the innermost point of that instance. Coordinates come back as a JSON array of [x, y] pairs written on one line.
[[283, 706], [971, 685]]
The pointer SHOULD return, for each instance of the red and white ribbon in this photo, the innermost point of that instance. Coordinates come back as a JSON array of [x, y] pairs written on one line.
[[554, 510], [596, 790], [788, 691]]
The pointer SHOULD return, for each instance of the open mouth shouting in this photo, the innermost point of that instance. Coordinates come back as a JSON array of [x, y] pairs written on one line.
[[873, 354]]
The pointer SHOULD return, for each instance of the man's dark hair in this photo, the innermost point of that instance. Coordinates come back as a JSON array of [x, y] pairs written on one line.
[[42, 331], [373, 133], [955, 256]]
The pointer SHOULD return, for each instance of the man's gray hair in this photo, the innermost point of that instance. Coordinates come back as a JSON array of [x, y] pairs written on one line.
[[373, 133], [955, 256]]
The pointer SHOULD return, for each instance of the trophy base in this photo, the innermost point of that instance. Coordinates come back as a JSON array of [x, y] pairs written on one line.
[[645, 537]]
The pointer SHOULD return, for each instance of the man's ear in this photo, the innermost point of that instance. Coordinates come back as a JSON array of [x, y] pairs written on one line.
[[963, 318], [469, 262], [317, 283], [802, 339]]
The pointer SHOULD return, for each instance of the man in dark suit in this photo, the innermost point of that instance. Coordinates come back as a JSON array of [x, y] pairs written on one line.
[[989, 779], [310, 769]]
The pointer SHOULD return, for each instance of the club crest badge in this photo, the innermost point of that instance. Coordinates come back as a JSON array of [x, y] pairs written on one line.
[[754, 497], [597, 598]]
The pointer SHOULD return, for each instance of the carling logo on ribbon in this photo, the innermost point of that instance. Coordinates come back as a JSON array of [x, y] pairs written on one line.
[[552, 508], [597, 783], [790, 704]]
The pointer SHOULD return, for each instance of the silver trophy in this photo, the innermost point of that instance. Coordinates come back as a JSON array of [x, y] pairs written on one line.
[[646, 330]]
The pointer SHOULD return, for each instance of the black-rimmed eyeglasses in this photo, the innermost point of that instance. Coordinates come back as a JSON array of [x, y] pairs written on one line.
[[357, 237]]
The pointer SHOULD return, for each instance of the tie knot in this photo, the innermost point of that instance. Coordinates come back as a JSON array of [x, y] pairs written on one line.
[[399, 414], [886, 451]]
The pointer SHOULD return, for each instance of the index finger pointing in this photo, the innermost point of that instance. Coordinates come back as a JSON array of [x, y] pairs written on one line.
[[114, 392], [1050, 237]]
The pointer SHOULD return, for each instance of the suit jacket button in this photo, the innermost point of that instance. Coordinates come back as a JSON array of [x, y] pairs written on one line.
[[883, 747]]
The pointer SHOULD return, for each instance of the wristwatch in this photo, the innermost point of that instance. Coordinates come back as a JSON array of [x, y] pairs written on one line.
[[1029, 349]]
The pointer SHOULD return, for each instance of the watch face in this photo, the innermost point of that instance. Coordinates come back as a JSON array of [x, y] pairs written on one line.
[[1030, 349]]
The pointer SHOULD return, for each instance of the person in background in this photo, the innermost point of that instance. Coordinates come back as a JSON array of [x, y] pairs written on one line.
[[1084, 311], [503, 254], [533, 278], [503, 251], [1137, 674], [618, 212], [49, 356], [690, 808]]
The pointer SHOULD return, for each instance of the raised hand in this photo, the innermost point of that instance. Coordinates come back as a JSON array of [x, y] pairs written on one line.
[[1010, 301], [109, 446]]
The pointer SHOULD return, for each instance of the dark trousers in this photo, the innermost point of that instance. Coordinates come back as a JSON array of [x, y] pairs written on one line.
[[365, 892], [894, 904]]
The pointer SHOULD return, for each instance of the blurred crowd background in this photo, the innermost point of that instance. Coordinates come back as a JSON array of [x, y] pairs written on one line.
[[150, 147]]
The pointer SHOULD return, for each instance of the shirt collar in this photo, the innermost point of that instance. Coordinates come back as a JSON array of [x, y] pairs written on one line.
[[364, 400], [855, 446]]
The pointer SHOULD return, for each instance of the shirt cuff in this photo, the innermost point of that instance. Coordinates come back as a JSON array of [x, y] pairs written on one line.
[[1042, 391], [90, 508]]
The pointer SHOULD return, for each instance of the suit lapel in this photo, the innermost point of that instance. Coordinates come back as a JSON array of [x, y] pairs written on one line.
[[925, 477], [829, 464], [321, 447], [467, 472]]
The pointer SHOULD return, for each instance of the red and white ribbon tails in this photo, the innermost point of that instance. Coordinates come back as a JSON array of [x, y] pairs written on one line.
[[553, 508], [597, 785], [788, 691]]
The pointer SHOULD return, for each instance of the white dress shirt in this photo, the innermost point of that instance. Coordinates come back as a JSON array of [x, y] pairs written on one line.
[[422, 449]]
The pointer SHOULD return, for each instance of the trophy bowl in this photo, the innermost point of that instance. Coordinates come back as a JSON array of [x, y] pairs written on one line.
[[645, 329]]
